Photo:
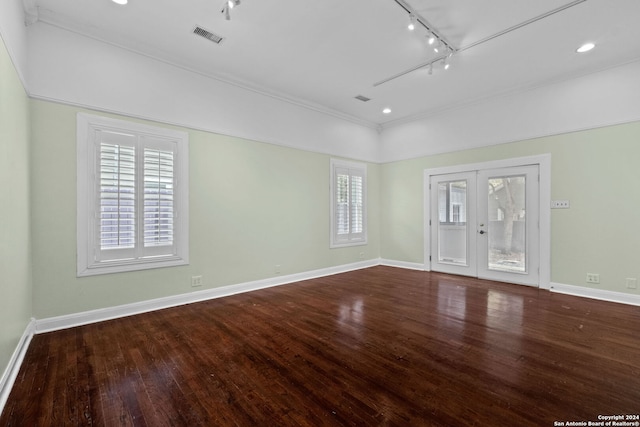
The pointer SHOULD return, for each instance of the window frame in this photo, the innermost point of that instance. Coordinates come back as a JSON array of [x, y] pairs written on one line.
[[351, 238], [89, 262]]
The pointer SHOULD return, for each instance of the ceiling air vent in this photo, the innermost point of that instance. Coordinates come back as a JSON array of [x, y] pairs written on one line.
[[362, 98], [207, 35]]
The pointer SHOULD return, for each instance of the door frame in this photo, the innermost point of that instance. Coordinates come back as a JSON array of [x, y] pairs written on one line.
[[543, 161]]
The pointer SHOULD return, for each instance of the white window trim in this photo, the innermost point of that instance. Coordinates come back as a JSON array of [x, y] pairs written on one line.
[[87, 166], [348, 241]]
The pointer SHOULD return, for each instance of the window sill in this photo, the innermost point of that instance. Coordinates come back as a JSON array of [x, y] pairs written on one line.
[[128, 266], [335, 245]]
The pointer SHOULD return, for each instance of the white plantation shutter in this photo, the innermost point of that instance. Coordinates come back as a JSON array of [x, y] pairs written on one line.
[[158, 198], [132, 196], [342, 211], [116, 196], [357, 199], [348, 208]]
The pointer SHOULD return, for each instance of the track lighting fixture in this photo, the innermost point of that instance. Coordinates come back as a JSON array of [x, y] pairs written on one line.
[[440, 45], [432, 34], [412, 22], [430, 37], [437, 48], [228, 5], [445, 62]]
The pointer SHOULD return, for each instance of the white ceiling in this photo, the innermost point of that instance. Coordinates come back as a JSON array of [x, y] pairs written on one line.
[[324, 53]]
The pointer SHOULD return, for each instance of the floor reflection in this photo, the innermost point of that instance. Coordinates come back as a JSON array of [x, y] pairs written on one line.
[[504, 311], [452, 303], [351, 320]]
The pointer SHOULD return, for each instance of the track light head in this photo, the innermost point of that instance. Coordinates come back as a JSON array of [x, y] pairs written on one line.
[[438, 47], [226, 8], [445, 60], [430, 37], [412, 22]]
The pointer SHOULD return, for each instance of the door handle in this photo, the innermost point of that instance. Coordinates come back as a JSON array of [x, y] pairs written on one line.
[[481, 231]]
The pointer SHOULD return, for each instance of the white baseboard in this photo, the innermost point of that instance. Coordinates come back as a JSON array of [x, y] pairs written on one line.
[[11, 372], [599, 294], [93, 316], [402, 264]]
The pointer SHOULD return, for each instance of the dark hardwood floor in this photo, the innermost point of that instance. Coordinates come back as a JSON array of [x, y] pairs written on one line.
[[380, 346]]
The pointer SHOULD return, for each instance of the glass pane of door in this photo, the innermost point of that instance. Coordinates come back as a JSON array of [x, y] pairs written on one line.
[[452, 222], [507, 216]]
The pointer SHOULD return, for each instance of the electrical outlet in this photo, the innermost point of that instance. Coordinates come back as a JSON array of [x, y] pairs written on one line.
[[277, 269], [361, 255], [560, 204], [593, 278], [196, 281], [632, 283]]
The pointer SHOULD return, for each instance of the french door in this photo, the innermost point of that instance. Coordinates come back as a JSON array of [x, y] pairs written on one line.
[[485, 223]]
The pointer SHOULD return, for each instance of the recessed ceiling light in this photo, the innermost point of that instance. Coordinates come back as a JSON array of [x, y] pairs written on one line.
[[585, 47], [120, 1], [386, 111]]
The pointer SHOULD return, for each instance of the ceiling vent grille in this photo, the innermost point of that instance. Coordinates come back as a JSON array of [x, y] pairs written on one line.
[[362, 98], [207, 35]]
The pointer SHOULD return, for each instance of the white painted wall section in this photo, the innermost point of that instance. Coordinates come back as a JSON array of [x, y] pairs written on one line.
[[70, 68], [605, 98]]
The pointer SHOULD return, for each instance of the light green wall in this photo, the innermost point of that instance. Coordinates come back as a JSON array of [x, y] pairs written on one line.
[[15, 268], [252, 206], [597, 170]]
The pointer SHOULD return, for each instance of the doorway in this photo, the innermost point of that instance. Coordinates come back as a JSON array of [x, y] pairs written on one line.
[[486, 221]]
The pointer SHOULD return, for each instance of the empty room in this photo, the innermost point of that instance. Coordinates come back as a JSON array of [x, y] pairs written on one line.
[[319, 213]]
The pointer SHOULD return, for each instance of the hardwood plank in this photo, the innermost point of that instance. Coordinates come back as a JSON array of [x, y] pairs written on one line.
[[380, 346]]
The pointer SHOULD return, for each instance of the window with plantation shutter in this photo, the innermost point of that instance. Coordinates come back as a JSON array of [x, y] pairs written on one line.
[[348, 205], [132, 196]]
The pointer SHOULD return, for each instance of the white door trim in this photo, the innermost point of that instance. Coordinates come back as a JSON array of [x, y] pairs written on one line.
[[544, 163]]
